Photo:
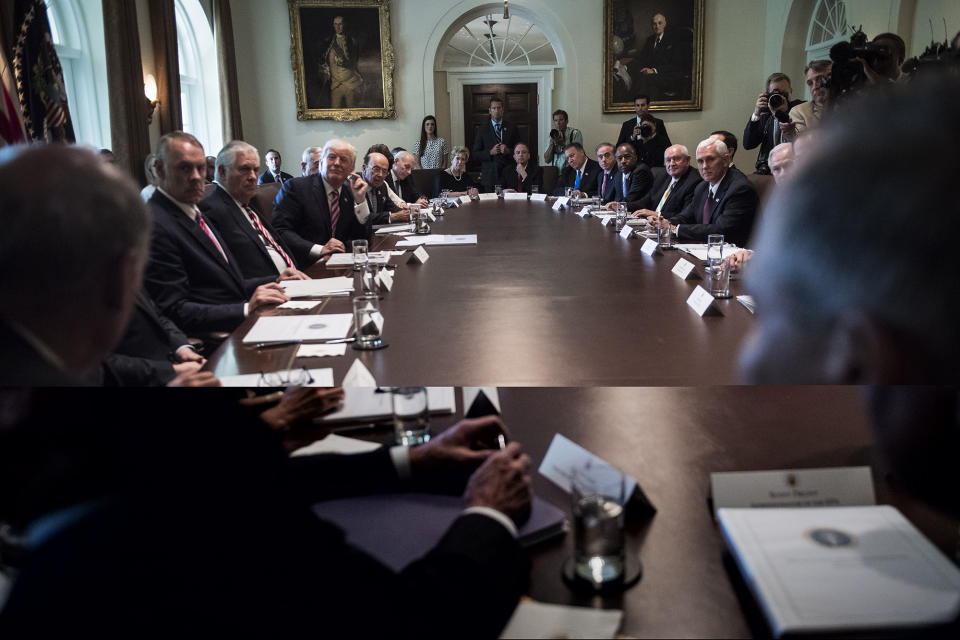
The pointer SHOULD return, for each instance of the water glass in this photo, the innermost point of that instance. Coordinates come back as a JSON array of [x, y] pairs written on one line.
[[568, 192], [368, 281], [445, 195], [718, 277], [411, 415], [621, 213], [498, 189], [664, 239], [360, 257], [714, 249], [599, 499], [534, 188], [368, 320]]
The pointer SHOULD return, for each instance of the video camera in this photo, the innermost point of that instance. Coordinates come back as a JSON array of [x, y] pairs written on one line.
[[847, 74]]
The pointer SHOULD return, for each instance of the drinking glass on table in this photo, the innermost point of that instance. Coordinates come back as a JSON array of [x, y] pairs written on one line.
[[718, 271], [663, 234], [534, 189], [368, 321], [714, 249], [621, 213], [498, 189], [360, 257], [411, 415], [445, 195], [599, 498]]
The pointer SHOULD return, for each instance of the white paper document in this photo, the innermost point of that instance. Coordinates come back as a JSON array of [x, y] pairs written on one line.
[[321, 350], [394, 228], [841, 569], [321, 378], [334, 443], [699, 251], [319, 287], [302, 328], [373, 403], [828, 487], [539, 620], [346, 259], [300, 304], [564, 456], [436, 240]]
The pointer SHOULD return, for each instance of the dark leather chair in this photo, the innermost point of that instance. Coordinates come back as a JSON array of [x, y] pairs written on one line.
[[423, 180], [265, 196], [550, 176]]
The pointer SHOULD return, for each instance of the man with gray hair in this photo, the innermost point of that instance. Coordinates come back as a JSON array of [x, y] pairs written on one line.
[[76, 232], [806, 116], [400, 181], [315, 215], [192, 275], [310, 161], [259, 250], [672, 191], [781, 160], [725, 203]]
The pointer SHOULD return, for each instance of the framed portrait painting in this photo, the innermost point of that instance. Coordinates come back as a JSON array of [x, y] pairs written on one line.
[[342, 59], [653, 48]]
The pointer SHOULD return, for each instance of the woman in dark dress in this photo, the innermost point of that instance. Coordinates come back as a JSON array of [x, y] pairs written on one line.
[[524, 174], [456, 178]]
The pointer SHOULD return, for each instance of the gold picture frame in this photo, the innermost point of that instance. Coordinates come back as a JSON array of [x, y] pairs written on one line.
[[347, 74], [630, 52]]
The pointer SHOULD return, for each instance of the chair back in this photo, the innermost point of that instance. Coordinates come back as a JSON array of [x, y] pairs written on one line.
[[265, 196], [423, 180], [550, 176]]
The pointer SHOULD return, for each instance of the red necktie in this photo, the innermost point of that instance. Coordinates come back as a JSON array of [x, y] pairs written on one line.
[[334, 211], [206, 230], [603, 188], [266, 234], [706, 208]]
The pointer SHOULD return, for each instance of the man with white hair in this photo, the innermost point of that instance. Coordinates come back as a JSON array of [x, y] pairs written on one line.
[[315, 215], [400, 181], [725, 203], [781, 160], [310, 162], [673, 190], [258, 248]]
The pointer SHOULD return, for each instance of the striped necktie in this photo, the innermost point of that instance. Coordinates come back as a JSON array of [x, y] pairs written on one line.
[[666, 194], [266, 235], [334, 211], [206, 230]]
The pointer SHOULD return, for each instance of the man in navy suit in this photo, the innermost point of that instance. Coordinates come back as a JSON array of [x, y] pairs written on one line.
[[494, 145], [632, 181], [724, 203], [316, 214], [191, 274], [234, 212], [273, 173], [606, 158], [630, 131], [581, 173], [672, 191]]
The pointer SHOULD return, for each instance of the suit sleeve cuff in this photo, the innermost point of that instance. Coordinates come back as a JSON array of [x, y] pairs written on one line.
[[496, 515], [401, 461], [246, 309], [362, 211], [316, 252], [754, 117]]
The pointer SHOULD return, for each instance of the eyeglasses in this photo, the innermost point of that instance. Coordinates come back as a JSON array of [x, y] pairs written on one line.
[[290, 378]]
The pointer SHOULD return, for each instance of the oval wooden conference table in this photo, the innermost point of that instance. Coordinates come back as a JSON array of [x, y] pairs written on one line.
[[544, 298]]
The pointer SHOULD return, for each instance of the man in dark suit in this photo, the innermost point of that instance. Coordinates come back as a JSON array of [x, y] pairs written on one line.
[[632, 181], [400, 179], [196, 486], [315, 215], [234, 212], [191, 274], [631, 129], [581, 173], [74, 241], [607, 159], [672, 191], [656, 69], [273, 173], [383, 210], [763, 129], [494, 145], [725, 203]]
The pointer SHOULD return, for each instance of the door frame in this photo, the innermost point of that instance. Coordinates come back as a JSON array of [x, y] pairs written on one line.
[[542, 76]]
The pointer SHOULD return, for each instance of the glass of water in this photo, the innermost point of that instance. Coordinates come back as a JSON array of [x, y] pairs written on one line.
[[599, 500], [369, 321], [568, 192], [445, 194], [718, 276], [498, 189], [663, 234], [368, 281], [621, 216], [360, 257], [534, 189], [411, 415], [714, 249]]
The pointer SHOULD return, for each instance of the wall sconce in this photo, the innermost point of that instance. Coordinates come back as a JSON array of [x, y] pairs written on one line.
[[150, 94]]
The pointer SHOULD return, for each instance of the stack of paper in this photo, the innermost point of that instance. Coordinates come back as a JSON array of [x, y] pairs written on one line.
[[437, 240], [538, 620], [341, 285], [841, 569], [299, 328], [321, 378], [371, 403], [699, 251]]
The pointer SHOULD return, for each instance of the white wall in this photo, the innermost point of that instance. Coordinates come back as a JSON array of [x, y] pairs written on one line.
[[936, 11]]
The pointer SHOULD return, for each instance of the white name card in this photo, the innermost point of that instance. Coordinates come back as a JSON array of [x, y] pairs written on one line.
[[560, 202], [607, 220], [833, 487], [419, 256], [513, 195], [649, 247], [626, 232], [461, 200], [538, 197], [488, 196], [430, 216], [385, 277], [701, 301], [585, 213], [683, 269]]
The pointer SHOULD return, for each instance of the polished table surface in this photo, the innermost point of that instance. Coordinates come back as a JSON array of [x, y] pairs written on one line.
[[670, 440], [543, 299]]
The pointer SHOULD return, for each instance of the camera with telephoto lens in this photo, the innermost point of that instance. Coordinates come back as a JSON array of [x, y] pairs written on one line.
[[847, 74], [556, 137], [775, 100], [646, 130]]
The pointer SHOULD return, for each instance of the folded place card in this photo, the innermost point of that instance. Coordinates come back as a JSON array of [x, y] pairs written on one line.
[[683, 269], [419, 256], [358, 376], [565, 455], [334, 443], [430, 216], [488, 196], [480, 401], [649, 247], [321, 350], [626, 232], [607, 219], [702, 301], [385, 278], [560, 202], [833, 487], [538, 197], [514, 195]]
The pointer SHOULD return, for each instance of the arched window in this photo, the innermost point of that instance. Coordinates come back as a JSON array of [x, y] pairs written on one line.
[[77, 31], [199, 81], [491, 41], [827, 27]]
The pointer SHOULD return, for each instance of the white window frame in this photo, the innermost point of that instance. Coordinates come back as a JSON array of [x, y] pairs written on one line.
[[199, 76]]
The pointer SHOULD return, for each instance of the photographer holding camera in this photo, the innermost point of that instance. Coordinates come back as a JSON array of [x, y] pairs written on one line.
[[560, 137], [807, 114], [769, 119], [649, 142]]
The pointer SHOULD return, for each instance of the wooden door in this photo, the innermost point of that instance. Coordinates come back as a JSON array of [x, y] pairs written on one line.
[[519, 106]]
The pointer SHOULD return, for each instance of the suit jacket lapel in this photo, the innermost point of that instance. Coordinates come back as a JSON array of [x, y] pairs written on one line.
[[245, 225], [193, 229], [721, 192]]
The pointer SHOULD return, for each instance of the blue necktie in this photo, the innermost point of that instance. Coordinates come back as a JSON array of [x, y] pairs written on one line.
[[576, 185]]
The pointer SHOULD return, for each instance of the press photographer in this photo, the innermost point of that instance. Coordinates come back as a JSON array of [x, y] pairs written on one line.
[[649, 143], [858, 63], [769, 119]]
